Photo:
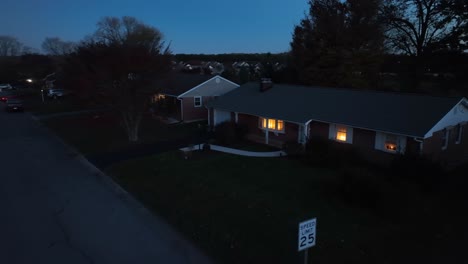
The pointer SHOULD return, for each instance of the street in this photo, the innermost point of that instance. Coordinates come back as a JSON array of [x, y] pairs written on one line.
[[55, 209]]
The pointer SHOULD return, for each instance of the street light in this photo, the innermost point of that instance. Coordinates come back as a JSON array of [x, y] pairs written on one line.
[[42, 94], [29, 80]]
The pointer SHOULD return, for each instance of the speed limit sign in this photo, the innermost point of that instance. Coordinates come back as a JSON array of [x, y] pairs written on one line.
[[307, 234]]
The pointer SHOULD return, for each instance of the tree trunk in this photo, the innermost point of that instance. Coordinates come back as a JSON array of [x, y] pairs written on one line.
[[132, 125]]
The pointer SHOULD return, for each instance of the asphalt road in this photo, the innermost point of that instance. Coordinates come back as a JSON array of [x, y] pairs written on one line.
[[56, 209]]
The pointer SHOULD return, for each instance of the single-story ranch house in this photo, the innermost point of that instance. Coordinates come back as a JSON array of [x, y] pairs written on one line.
[[184, 95], [389, 122]]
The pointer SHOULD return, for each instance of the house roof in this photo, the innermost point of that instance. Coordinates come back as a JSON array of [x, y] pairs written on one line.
[[178, 83], [405, 114]]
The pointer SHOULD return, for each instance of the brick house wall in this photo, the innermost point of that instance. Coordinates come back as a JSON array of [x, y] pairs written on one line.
[[318, 130], [364, 139], [454, 153], [190, 112], [363, 142]]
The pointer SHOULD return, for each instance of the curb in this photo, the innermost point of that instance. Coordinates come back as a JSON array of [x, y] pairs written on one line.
[[115, 187]]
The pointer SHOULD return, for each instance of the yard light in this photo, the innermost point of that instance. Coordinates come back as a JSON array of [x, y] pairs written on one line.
[[29, 80]]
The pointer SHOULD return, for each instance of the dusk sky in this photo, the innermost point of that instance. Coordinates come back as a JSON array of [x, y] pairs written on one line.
[[204, 26]]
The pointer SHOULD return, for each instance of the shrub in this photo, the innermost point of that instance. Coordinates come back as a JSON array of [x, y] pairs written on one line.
[[327, 153], [293, 149], [225, 133], [228, 133], [241, 131], [206, 147], [418, 169]]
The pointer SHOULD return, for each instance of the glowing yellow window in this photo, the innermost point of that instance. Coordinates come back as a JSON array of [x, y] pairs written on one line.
[[271, 123], [341, 133], [280, 125]]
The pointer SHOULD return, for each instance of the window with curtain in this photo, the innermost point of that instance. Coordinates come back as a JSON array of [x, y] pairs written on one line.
[[391, 143], [341, 133], [272, 124]]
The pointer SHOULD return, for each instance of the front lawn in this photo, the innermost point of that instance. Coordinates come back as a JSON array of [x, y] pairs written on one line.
[[101, 133], [246, 210]]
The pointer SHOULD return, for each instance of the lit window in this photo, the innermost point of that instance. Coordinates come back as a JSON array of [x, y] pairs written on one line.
[[273, 124], [391, 143], [197, 101], [280, 125], [341, 133]]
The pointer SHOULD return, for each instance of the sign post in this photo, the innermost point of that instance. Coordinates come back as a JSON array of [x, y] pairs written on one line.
[[307, 236]]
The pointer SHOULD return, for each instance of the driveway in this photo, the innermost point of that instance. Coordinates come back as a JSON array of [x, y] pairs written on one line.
[[56, 209]]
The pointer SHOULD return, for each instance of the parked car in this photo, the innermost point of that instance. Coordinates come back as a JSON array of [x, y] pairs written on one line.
[[14, 105], [57, 93], [5, 86], [5, 96]]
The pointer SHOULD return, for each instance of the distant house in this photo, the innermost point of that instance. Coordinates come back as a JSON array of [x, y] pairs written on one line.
[[183, 96], [49, 81], [387, 122]]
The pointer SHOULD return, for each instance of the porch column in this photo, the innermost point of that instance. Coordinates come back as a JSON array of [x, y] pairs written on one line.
[[300, 134], [209, 119], [214, 118], [267, 132], [236, 117], [304, 135]]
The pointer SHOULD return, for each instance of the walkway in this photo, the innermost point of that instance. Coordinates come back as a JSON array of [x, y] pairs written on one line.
[[246, 153]]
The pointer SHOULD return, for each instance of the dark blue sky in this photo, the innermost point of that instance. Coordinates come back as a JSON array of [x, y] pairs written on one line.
[[203, 26]]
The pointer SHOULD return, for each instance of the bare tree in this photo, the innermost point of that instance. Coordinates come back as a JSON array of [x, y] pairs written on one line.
[[418, 27], [10, 46], [127, 31], [57, 47], [123, 57]]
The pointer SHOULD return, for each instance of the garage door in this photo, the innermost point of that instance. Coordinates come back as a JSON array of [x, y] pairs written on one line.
[[221, 116]]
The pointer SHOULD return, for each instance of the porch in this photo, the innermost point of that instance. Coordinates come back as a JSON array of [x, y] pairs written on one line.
[[261, 139]]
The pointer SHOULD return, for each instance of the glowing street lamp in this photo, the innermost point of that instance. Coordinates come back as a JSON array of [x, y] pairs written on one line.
[[29, 80]]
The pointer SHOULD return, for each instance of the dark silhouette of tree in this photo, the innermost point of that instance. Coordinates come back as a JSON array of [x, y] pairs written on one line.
[[57, 47], [120, 63], [10, 46], [422, 27], [339, 43]]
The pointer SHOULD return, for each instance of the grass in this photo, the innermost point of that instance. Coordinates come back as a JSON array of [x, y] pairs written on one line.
[[246, 210], [99, 133], [33, 103]]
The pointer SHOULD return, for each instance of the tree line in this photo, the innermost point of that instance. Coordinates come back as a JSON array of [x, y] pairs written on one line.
[[351, 43]]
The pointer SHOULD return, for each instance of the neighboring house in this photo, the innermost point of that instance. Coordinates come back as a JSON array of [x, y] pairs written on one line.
[[388, 122], [49, 81], [185, 95]]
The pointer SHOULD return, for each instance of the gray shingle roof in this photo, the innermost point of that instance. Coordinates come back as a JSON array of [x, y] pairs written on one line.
[[405, 114], [178, 83]]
